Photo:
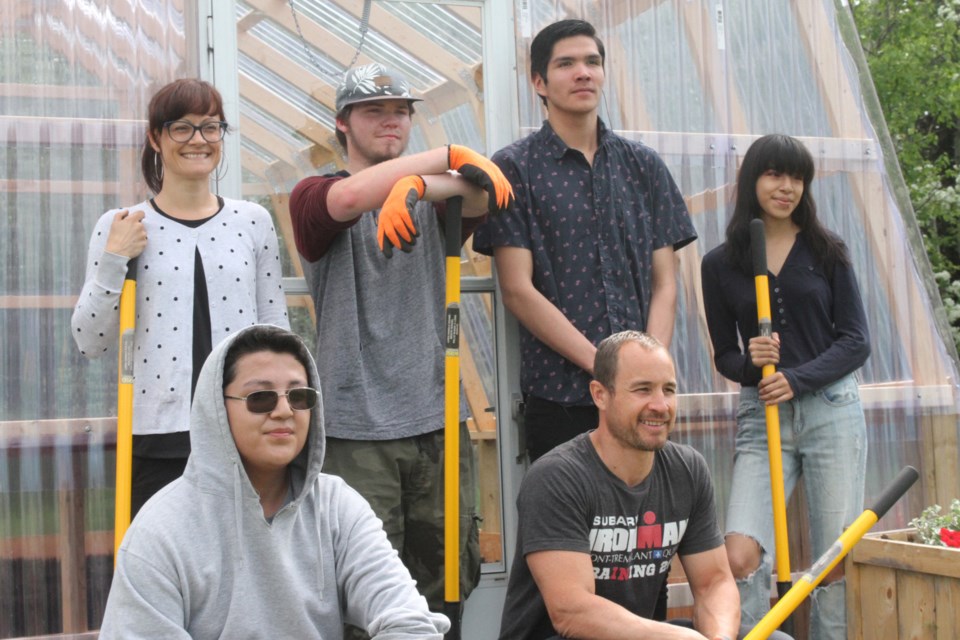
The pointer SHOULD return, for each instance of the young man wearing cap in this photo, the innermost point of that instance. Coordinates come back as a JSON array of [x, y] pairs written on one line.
[[380, 321], [588, 247]]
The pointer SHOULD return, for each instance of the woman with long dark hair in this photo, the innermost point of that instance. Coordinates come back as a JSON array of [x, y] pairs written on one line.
[[206, 267], [819, 340]]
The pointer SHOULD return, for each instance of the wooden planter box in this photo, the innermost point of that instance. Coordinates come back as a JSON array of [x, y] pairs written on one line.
[[901, 590]]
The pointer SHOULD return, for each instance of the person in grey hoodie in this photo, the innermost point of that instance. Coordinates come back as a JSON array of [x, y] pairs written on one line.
[[253, 541]]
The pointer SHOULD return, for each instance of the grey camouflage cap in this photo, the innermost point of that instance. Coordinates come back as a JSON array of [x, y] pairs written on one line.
[[372, 82]]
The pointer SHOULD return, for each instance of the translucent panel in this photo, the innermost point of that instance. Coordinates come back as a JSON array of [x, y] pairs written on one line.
[[698, 82], [273, 126], [478, 372], [773, 73], [278, 86], [261, 153], [75, 79], [462, 127], [293, 46], [659, 72], [344, 23], [457, 34], [288, 133]]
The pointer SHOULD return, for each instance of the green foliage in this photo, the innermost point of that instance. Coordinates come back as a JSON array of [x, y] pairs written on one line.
[[932, 519], [913, 50]]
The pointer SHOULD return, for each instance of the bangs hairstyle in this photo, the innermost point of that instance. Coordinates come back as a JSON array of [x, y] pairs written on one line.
[[789, 156], [172, 102]]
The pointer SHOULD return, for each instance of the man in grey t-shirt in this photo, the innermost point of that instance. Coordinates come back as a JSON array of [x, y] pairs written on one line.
[[602, 516], [380, 319]]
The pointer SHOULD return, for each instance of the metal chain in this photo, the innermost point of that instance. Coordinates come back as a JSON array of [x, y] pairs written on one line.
[[364, 27]]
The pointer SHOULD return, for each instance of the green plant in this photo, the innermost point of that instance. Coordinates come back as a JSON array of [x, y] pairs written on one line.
[[932, 520], [950, 293], [913, 46]]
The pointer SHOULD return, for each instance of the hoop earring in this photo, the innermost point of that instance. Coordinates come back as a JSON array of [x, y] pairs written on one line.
[[221, 171], [158, 167]]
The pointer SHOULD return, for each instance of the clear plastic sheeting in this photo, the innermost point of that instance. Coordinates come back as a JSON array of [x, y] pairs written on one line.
[[75, 78], [698, 82], [291, 59]]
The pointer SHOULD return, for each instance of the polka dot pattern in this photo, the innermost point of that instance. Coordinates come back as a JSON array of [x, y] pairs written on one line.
[[239, 252], [592, 231]]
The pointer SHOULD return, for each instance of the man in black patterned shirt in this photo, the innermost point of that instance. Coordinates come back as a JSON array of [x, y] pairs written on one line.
[[587, 250]]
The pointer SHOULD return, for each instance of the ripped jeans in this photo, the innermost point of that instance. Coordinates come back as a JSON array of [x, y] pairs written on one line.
[[823, 437]]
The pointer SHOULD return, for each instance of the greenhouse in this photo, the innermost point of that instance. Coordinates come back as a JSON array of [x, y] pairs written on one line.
[[697, 81]]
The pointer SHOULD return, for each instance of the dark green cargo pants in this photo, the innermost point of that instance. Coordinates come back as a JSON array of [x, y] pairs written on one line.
[[403, 482]]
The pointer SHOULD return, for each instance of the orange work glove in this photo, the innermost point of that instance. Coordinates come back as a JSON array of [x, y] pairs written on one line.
[[395, 226], [483, 173]]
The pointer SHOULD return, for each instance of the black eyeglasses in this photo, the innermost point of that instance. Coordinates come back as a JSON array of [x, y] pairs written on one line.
[[300, 399], [182, 131]]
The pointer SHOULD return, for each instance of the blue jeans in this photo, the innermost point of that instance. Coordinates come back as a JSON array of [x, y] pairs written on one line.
[[823, 438], [403, 481]]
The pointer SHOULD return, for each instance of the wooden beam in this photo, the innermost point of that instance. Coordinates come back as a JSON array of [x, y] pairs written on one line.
[[95, 543], [410, 40], [105, 63], [830, 154], [93, 132], [473, 388], [254, 132], [262, 189], [293, 73], [633, 100], [709, 60], [447, 96], [273, 174], [70, 548], [321, 155], [402, 35], [281, 207], [284, 111], [839, 97], [472, 15], [54, 91], [453, 92], [249, 21], [621, 11], [73, 187], [894, 257], [938, 454], [254, 164], [335, 48]]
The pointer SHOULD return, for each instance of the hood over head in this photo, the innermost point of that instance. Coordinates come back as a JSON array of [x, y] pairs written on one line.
[[215, 465]]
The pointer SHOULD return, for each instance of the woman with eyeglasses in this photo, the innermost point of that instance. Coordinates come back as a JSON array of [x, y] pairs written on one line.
[[254, 541], [206, 267]]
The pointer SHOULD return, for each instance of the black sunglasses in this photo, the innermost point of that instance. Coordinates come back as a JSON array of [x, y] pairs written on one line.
[[300, 399]]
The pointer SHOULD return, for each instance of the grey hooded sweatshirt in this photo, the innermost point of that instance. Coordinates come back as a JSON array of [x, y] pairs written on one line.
[[201, 561]]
